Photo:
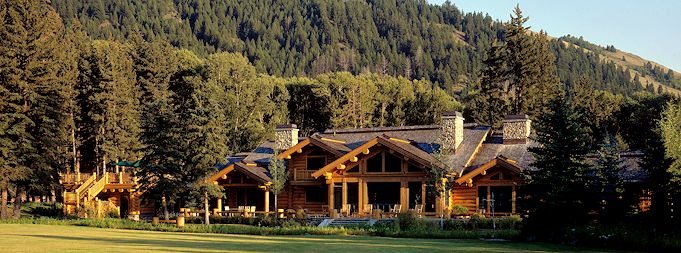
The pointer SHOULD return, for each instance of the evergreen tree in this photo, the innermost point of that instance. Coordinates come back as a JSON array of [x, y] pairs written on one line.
[[32, 107], [489, 103], [531, 67], [610, 185], [560, 184]]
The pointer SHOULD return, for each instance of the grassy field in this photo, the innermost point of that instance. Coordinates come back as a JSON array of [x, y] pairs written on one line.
[[54, 238]]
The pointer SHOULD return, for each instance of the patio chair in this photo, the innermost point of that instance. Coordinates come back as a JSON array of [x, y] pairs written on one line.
[[346, 210], [396, 209], [418, 209], [368, 208]]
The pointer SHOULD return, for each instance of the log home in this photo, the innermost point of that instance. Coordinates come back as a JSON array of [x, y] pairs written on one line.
[[348, 171], [356, 171]]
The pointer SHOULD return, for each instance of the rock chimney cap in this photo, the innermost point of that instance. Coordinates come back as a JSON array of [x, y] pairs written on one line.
[[516, 117], [286, 126], [452, 114]]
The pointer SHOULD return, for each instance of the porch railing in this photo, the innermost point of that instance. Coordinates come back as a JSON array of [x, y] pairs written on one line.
[[303, 175], [120, 178], [74, 177]]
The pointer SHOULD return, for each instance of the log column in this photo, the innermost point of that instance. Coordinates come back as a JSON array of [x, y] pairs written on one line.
[[513, 199], [330, 197], [329, 192], [344, 196], [404, 195]]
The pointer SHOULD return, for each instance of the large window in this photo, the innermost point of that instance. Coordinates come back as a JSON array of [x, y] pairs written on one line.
[[316, 194], [392, 163], [316, 162], [375, 163], [500, 196], [384, 162]]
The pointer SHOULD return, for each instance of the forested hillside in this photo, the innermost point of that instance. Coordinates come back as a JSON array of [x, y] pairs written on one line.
[[308, 37]]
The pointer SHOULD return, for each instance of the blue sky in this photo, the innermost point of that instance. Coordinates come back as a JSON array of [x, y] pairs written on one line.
[[648, 28]]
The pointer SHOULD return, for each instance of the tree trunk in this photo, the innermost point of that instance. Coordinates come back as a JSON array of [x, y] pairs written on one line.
[[18, 200], [3, 205], [164, 203], [76, 164], [205, 207], [276, 207]]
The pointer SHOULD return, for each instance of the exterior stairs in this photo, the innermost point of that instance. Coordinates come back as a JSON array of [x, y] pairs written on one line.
[[86, 190], [347, 222]]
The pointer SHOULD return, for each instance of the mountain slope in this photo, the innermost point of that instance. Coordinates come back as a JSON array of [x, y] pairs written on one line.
[[307, 37]]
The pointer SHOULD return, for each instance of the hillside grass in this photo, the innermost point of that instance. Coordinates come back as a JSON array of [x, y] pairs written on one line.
[[60, 238]]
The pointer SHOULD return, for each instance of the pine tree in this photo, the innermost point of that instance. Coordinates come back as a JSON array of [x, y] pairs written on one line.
[[489, 103], [533, 79], [33, 106], [560, 183], [609, 182]]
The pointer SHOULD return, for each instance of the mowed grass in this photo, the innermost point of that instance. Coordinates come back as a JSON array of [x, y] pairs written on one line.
[[55, 238]]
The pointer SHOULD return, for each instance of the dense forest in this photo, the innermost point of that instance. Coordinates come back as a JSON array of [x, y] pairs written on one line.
[[288, 38]]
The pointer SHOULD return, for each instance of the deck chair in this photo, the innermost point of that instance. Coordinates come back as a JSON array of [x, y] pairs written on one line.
[[346, 210], [396, 209], [368, 208], [419, 210]]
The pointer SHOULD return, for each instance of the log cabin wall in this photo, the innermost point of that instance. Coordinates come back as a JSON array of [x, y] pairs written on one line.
[[497, 179], [300, 180]]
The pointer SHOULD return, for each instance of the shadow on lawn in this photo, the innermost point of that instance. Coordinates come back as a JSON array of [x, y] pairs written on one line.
[[239, 243]]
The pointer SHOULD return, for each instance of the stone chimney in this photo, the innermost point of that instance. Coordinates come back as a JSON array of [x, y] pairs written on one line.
[[517, 129], [285, 136], [451, 135]]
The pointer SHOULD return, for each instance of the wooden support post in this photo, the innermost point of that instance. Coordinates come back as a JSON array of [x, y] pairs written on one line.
[[344, 196], [489, 200], [267, 201], [220, 205], [360, 196], [404, 195], [365, 194], [513, 199], [120, 177], [330, 197], [423, 194], [99, 208]]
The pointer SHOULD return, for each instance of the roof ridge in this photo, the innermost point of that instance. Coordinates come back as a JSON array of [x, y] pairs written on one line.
[[379, 129]]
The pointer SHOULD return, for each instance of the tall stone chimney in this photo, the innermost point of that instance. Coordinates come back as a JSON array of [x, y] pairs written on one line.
[[517, 129], [285, 136], [451, 135]]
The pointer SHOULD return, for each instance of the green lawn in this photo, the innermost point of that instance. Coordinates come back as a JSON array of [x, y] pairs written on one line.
[[53, 238]]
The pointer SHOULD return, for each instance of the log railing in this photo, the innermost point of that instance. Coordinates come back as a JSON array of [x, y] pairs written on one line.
[[82, 190], [70, 178], [98, 186], [120, 178], [303, 175]]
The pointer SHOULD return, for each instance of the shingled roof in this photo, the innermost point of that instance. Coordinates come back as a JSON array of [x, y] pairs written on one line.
[[479, 147]]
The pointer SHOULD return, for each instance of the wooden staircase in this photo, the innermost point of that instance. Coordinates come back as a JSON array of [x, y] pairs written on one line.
[[86, 191]]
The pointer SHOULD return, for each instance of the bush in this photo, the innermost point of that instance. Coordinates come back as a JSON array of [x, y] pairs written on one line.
[[459, 210], [42, 209], [407, 220], [454, 224]]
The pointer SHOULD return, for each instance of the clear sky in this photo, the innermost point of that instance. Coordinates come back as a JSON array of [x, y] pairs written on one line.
[[648, 28]]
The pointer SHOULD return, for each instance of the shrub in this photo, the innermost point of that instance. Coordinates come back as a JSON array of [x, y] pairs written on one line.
[[454, 225], [459, 209], [407, 220]]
